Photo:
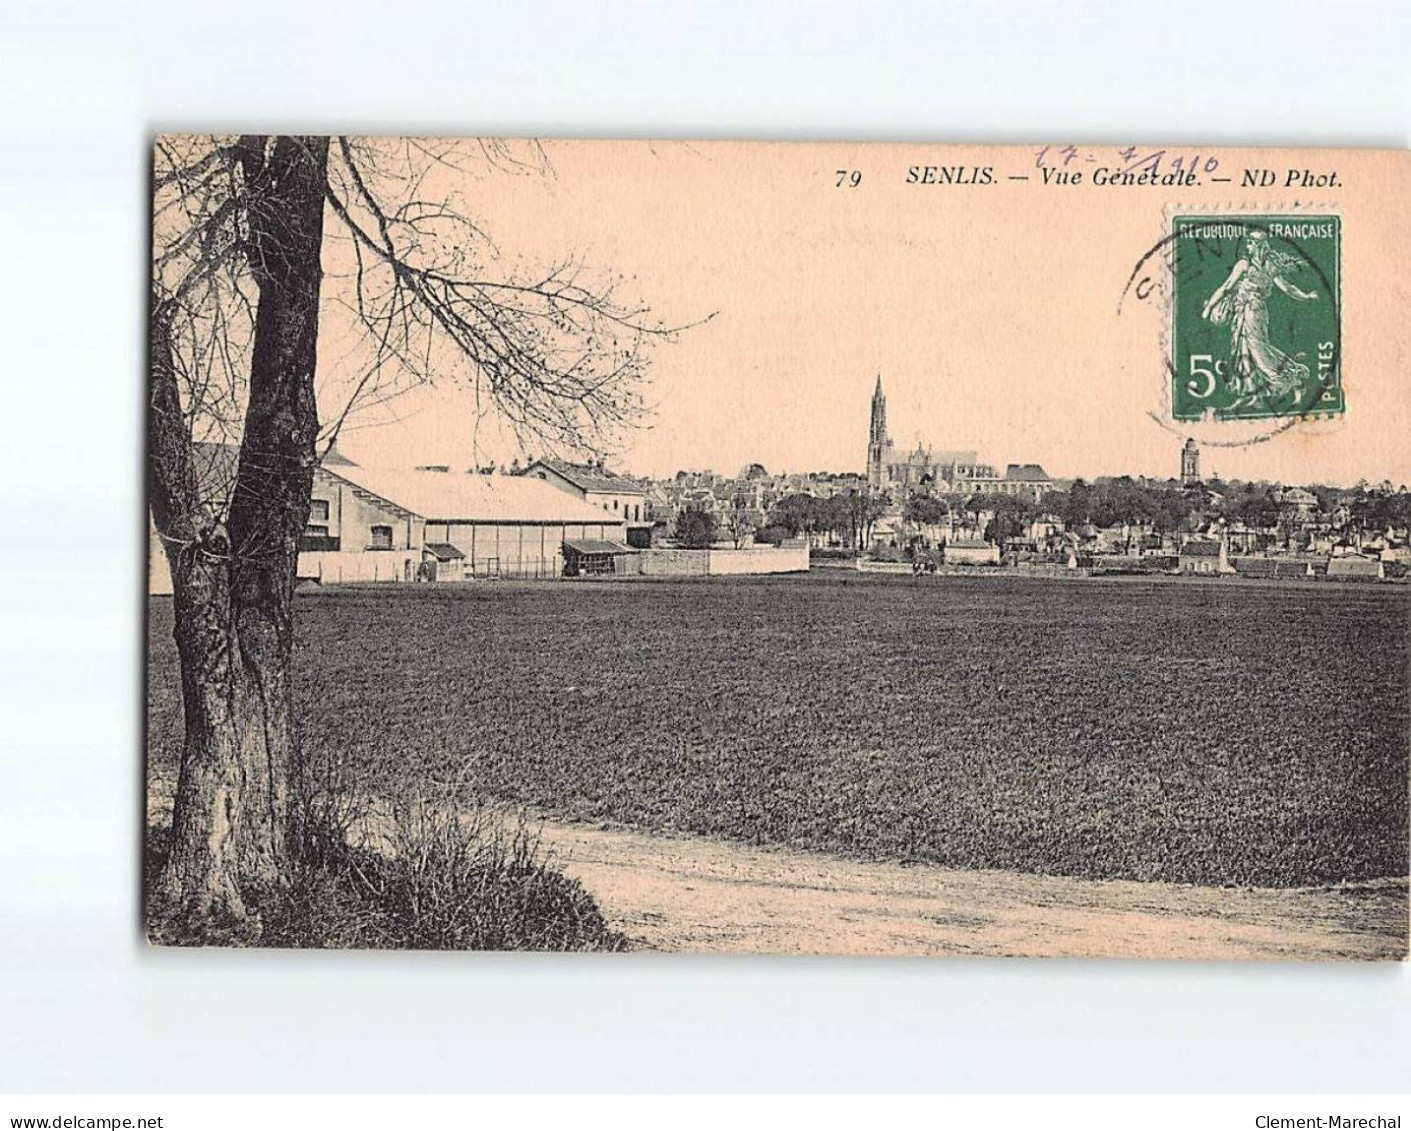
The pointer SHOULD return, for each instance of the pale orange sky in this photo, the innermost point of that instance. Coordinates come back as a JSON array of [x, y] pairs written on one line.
[[991, 312]]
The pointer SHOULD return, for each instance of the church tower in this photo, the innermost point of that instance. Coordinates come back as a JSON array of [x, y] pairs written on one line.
[[1190, 464], [877, 438]]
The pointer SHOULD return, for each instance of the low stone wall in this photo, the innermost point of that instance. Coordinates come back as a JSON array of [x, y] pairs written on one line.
[[1047, 569], [664, 562], [671, 563], [759, 559], [333, 567]]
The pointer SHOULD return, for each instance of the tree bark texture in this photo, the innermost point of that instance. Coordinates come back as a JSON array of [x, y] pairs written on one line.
[[233, 572]]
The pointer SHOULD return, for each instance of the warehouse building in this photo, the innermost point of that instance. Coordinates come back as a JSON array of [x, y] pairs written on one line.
[[372, 524]]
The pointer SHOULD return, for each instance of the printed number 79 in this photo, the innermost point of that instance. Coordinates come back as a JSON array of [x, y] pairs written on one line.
[[849, 178]]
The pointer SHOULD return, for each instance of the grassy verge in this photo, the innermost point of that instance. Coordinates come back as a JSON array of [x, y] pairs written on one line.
[[409, 874]]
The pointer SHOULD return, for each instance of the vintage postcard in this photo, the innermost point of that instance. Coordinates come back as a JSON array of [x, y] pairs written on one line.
[[779, 548]]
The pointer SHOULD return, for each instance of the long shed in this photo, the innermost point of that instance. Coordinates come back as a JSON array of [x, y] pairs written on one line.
[[501, 525]]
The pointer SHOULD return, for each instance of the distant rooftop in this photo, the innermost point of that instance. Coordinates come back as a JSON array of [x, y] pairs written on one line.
[[591, 477], [587, 546], [1027, 473], [440, 496], [443, 551]]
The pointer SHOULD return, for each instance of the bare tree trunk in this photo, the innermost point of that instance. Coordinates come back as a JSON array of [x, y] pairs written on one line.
[[233, 581]]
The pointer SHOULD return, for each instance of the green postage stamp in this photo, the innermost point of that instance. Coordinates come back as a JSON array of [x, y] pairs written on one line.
[[1255, 316]]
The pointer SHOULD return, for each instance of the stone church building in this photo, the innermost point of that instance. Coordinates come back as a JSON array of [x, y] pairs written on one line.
[[898, 473]]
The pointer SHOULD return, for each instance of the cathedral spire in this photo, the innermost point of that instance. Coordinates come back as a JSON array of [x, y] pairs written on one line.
[[877, 441], [877, 434]]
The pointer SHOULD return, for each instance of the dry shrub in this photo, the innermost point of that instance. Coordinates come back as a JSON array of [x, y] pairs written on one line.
[[413, 872], [479, 882]]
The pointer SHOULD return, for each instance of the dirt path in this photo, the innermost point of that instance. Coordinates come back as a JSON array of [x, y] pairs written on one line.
[[701, 895]]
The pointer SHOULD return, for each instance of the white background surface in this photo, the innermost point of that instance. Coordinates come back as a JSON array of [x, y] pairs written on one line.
[[84, 1006]]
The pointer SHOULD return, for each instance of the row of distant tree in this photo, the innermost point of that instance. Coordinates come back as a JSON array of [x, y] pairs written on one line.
[[1379, 508], [1167, 507], [849, 517], [1103, 503]]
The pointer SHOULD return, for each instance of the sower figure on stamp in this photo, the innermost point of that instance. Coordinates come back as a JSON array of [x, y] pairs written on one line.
[[1242, 301]]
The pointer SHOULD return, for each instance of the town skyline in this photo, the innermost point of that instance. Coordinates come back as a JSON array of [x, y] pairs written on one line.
[[383, 446], [794, 294]]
